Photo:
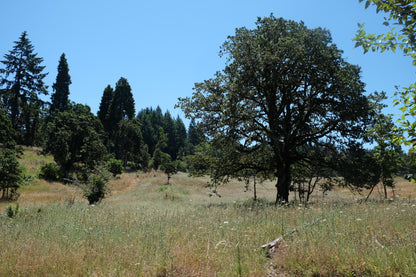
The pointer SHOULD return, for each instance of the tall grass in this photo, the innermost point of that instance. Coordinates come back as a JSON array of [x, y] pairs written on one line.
[[145, 229], [131, 241], [374, 239], [182, 239]]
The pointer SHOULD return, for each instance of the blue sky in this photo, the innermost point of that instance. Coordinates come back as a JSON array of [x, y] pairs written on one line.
[[164, 47]]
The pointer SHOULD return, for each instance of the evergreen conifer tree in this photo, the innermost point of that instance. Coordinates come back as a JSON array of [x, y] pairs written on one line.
[[22, 81], [59, 99], [122, 105], [104, 109], [194, 137]]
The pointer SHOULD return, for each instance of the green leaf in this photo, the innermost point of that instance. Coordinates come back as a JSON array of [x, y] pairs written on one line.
[[403, 109]]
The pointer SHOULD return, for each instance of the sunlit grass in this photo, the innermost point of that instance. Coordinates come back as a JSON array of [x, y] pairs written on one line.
[[148, 228]]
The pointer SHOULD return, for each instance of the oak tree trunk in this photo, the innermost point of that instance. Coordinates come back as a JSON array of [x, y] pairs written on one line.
[[284, 180]]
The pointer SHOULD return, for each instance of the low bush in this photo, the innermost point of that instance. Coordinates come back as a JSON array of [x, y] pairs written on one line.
[[50, 172], [115, 167], [12, 212], [95, 188]]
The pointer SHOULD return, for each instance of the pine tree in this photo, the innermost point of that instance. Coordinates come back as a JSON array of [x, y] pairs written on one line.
[[128, 144], [7, 133], [59, 99], [149, 131], [22, 81], [122, 105], [160, 157], [104, 109], [194, 137], [168, 127], [180, 136]]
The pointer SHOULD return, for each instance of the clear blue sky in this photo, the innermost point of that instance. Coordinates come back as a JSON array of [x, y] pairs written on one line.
[[164, 47]]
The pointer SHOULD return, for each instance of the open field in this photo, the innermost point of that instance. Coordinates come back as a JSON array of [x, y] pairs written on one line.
[[145, 228]]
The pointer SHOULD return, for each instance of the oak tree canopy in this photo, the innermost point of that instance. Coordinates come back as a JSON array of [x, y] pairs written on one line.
[[284, 88]]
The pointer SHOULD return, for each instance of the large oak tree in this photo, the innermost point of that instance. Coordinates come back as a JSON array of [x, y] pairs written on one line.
[[284, 87], [75, 139]]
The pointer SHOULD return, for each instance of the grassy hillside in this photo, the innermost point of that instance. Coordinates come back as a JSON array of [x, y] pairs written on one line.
[[145, 228]]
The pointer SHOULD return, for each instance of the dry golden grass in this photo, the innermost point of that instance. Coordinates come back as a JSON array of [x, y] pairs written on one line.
[[146, 228]]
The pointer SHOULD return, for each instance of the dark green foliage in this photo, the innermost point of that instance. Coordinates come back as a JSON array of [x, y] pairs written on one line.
[[168, 126], [115, 166], [103, 112], [128, 143], [194, 136], [151, 120], [169, 168], [120, 111], [318, 167], [160, 157], [95, 188], [384, 134], [176, 132], [284, 86], [180, 134], [122, 104], [358, 167], [12, 212], [59, 99], [21, 80], [75, 139], [11, 175], [7, 133], [50, 172]]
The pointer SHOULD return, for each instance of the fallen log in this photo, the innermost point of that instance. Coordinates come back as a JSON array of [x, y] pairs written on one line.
[[273, 244], [271, 247]]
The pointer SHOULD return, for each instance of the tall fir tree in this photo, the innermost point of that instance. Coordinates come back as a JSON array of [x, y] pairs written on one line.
[[168, 126], [194, 136], [7, 133], [159, 156], [22, 82], [122, 105], [59, 98], [151, 120], [104, 109], [180, 137], [129, 146], [121, 108]]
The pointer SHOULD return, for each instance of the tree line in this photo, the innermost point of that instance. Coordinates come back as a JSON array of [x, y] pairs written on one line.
[[79, 140], [286, 107]]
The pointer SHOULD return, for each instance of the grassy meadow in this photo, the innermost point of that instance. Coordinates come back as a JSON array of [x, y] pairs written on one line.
[[146, 228]]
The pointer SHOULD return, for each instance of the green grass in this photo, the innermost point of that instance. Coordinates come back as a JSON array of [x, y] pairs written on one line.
[[145, 228]]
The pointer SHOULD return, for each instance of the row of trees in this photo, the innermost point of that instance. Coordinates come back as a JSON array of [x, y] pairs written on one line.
[[79, 141]]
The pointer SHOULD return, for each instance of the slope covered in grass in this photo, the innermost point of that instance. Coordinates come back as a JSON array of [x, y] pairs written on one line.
[[145, 228]]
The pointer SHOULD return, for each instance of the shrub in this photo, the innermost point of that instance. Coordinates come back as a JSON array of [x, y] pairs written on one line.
[[11, 174], [115, 166], [50, 172], [12, 212], [95, 188]]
